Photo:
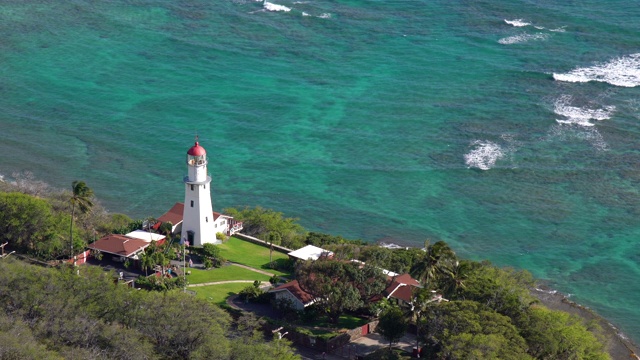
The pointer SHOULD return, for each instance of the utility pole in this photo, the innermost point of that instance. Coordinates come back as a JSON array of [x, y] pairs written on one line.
[[184, 263]]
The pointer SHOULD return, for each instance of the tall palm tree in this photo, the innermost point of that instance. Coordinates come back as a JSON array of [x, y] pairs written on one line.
[[454, 280], [81, 196], [437, 261]]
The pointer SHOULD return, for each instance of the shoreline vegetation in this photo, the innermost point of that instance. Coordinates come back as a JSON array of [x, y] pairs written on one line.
[[46, 241]]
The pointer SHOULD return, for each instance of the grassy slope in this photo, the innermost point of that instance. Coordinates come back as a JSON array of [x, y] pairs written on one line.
[[246, 253]]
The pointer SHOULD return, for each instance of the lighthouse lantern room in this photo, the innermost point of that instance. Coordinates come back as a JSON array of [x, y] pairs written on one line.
[[198, 221]]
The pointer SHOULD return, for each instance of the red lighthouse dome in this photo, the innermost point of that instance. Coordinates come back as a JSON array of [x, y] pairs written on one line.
[[196, 150]]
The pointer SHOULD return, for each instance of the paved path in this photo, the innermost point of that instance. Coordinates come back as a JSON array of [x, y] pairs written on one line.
[[252, 269]]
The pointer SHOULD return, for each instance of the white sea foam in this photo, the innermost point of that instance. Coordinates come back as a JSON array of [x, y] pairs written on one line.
[[560, 29], [483, 155], [325, 16], [623, 71], [520, 38], [571, 132], [551, 292], [305, 14], [275, 7], [517, 22], [577, 115]]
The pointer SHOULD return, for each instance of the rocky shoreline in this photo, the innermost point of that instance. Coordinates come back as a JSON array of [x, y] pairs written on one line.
[[618, 345]]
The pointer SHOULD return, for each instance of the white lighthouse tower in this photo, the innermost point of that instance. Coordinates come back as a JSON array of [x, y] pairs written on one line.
[[197, 225]]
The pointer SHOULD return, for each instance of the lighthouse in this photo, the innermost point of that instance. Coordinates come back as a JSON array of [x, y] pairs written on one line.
[[198, 218]]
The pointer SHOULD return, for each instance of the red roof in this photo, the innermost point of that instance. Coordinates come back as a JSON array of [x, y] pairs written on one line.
[[294, 288], [400, 287], [197, 150], [174, 215], [119, 245]]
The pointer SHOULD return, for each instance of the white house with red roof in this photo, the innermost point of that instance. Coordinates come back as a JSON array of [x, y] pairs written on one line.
[[123, 247], [293, 294]]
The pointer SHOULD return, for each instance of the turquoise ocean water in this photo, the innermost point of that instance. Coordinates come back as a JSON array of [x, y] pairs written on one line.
[[510, 129]]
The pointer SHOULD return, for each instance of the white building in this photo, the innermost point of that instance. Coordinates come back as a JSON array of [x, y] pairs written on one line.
[[197, 220]]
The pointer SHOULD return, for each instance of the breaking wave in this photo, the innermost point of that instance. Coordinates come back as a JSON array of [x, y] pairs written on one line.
[[483, 155], [275, 7], [623, 71], [577, 115], [516, 39], [517, 22]]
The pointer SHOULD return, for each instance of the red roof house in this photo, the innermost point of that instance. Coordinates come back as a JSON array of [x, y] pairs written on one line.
[[291, 292], [120, 245], [401, 288]]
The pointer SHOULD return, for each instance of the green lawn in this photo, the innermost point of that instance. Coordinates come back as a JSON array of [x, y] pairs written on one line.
[[345, 321], [229, 272], [218, 294], [250, 254]]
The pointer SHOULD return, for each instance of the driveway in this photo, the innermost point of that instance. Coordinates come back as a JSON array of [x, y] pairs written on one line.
[[373, 342]]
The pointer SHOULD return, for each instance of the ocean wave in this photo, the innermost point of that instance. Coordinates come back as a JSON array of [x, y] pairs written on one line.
[[623, 71], [550, 292], [560, 29], [324, 16], [577, 115], [571, 131], [483, 155], [516, 39], [517, 22], [275, 7]]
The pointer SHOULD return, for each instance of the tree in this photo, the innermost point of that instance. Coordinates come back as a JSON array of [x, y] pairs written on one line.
[[437, 261], [274, 237], [259, 222], [470, 330], [392, 325], [554, 334], [146, 262], [29, 224], [81, 196], [455, 279], [339, 286]]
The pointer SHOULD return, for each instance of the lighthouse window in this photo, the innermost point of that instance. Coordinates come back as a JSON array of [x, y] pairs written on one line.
[[191, 187], [191, 203], [206, 219]]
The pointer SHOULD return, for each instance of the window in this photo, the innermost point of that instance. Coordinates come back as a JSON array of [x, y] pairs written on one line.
[[191, 187], [206, 219], [191, 203]]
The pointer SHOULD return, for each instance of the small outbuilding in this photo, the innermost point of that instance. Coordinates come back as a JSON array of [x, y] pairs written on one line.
[[310, 252]]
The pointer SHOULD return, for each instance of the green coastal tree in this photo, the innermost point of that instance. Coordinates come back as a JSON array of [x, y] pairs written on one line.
[[392, 325], [81, 197], [469, 330], [338, 286], [259, 222], [26, 222]]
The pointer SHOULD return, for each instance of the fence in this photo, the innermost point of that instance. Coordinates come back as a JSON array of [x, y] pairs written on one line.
[[257, 241]]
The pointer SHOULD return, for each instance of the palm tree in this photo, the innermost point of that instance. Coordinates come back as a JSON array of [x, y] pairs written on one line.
[[437, 261], [81, 196], [455, 278], [146, 262]]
